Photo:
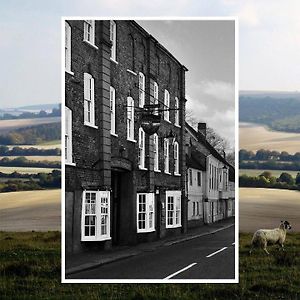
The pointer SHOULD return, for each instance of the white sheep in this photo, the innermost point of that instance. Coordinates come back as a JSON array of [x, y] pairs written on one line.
[[264, 237]]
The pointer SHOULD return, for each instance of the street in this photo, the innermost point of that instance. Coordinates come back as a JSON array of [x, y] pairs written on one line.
[[206, 257]]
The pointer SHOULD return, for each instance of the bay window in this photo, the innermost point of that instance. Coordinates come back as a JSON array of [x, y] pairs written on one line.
[[173, 203], [95, 224], [145, 212]]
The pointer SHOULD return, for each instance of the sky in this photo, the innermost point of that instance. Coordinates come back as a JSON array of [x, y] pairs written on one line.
[[269, 47]]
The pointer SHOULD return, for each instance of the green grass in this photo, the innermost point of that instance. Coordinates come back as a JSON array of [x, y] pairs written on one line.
[[30, 269], [256, 172]]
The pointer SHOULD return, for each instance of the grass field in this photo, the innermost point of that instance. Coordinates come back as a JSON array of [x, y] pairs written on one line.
[[254, 137], [36, 158], [8, 125], [25, 170], [265, 208], [256, 172], [30, 210], [30, 269]]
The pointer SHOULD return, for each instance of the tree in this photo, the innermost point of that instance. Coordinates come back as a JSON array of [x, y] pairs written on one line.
[[218, 142], [287, 178], [298, 178], [266, 174]]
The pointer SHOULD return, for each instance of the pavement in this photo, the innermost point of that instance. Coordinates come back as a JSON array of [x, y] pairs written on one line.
[[93, 259]]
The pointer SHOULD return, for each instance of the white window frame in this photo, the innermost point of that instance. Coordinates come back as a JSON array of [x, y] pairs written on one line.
[[156, 152], [176, 112], [173, 210], [141, 89], [68, 48], [68, 137], [167, 106], [112, 98], [130, 119], [147, 210], [141, 150], [89, 32], [100, 209], [113, 39], [176, 158], [166, 156], [155, 96], [89, 100]]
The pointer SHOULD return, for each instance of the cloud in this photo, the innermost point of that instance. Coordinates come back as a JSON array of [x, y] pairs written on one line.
[[213, 102]]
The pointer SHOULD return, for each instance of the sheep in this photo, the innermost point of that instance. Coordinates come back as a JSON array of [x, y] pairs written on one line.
[[263, 237]]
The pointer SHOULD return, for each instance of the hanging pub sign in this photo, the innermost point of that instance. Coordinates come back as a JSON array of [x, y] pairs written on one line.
[[150, 122]]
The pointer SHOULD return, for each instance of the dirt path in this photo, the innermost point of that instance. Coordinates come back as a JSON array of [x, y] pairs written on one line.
[[265, 208], [30, 210]]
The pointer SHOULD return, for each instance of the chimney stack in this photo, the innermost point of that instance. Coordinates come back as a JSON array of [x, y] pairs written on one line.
[[202, 129]]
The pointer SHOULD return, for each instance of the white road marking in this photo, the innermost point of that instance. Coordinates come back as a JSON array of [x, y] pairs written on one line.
[[212, 254], [233, 244], [182, 270]]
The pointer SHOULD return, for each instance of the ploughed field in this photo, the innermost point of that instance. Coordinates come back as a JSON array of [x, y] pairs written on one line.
[[254, 137], [265, 208], [30, 210]]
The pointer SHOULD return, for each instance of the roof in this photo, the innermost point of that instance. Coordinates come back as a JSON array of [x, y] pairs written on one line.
[[147, 34], [201, 138], [196, 160]]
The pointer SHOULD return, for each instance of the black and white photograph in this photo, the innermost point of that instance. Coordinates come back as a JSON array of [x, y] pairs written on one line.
[[149, 150]]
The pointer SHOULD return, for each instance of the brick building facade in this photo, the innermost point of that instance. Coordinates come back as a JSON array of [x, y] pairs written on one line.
[[122, 185]]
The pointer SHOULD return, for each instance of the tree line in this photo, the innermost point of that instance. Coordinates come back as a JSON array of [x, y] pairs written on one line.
[[32, 135], [32, 151], [24, 162], [267, 180], [56, 112], [284, 115], [268, 155], [43, 181]]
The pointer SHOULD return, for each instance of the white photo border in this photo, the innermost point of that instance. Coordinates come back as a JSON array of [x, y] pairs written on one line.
[[236, 244]]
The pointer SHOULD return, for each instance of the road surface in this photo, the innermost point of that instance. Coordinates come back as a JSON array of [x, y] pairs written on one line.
[[207, 257]]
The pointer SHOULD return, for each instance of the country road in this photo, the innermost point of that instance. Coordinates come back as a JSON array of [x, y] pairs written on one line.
[[207, 257]]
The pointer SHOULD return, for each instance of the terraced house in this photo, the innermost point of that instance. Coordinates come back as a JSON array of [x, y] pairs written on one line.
[[124, 136], [210, 186]]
